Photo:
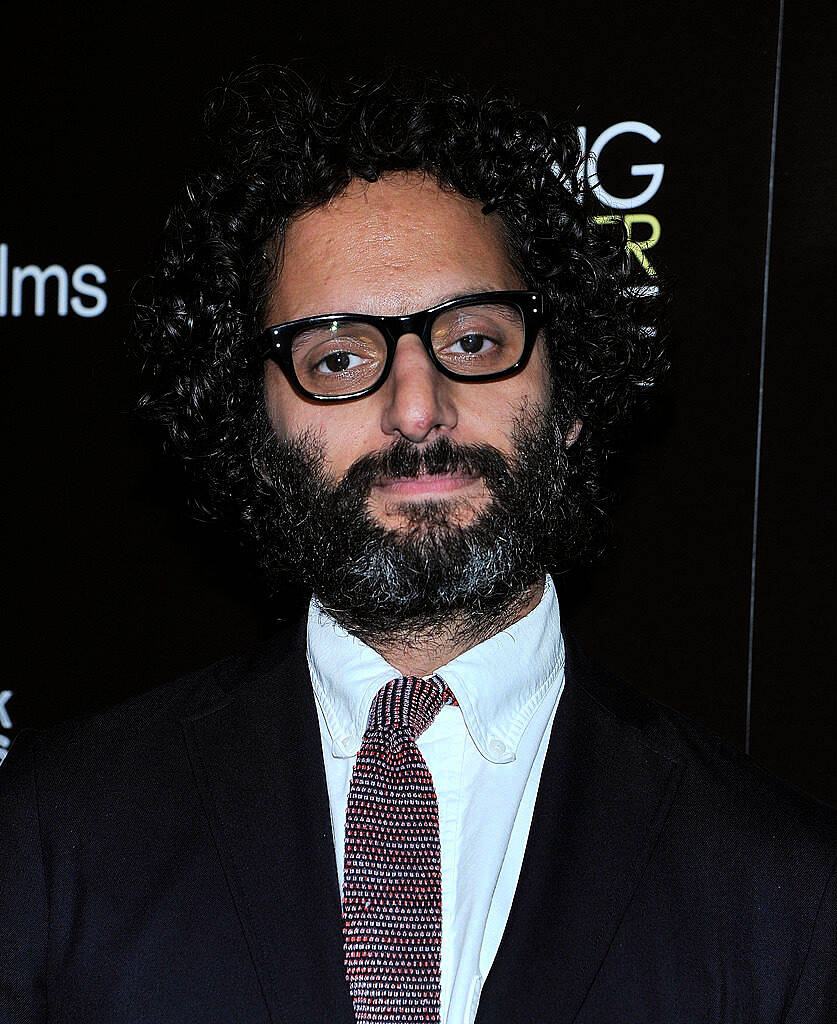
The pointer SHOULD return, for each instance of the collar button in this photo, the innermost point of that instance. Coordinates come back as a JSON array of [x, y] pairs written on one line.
[[496, 748]]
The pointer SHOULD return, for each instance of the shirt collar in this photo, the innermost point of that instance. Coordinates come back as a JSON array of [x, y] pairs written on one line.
[[498, 684]]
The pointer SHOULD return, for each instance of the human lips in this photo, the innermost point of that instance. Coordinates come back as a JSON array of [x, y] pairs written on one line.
[[426, 484]]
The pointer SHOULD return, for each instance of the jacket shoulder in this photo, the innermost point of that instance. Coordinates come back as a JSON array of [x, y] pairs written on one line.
[[732, 789], [135, 733]]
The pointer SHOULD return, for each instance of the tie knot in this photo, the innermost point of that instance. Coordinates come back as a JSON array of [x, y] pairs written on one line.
[[409, 702]]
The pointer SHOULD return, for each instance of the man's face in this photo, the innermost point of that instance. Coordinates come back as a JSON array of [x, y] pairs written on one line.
[[395, 246], [431, 500]]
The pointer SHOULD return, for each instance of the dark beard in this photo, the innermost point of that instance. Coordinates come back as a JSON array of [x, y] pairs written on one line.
[[432, 573]]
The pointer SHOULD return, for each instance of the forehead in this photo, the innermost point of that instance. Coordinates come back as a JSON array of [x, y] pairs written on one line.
[[391, 246]]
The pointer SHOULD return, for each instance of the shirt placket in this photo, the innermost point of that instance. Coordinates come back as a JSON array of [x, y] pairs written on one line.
[[443, 747]]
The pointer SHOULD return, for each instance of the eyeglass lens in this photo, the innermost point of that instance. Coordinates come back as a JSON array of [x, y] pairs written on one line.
[[345, 357]]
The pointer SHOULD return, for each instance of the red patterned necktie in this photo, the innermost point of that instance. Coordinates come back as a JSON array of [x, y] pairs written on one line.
[[392, 885]]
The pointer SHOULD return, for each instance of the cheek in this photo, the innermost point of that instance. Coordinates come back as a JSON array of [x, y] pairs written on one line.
[[536, 390], [290, 414], [517, 398], [341, 429], [542, 373], [280, 401]]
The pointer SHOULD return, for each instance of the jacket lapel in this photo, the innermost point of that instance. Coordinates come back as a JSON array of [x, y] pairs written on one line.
[[603, 797], [257, 759]]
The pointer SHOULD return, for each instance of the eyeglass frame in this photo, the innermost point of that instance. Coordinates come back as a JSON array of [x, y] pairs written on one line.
[[274, 342]]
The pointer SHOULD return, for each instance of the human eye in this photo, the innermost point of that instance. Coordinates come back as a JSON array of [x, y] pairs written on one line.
[[342, 354], [338, 361], [472, 344], [478, 339]]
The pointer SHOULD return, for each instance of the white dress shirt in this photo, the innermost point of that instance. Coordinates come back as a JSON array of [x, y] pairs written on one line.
[[485, 757]]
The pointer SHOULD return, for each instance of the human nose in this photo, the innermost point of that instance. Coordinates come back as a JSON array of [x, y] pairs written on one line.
[[418, 400]]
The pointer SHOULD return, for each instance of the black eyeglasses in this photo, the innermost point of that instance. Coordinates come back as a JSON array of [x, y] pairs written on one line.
[[475, 338]]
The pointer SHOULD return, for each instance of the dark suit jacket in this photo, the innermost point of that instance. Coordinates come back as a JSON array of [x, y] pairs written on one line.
[[172, 861]]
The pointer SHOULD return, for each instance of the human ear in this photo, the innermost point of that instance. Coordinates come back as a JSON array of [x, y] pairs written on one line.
[[571, 435]]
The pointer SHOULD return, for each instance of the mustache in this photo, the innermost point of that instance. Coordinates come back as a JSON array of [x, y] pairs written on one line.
[[405, 460]]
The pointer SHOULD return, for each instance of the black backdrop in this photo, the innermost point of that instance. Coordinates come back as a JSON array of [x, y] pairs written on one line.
[[110, 589]]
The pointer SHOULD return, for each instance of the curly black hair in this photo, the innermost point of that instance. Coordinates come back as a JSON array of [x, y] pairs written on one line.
[[284, 144]]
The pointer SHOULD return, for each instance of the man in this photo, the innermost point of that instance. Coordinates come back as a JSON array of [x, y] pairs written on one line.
[[389, 338]]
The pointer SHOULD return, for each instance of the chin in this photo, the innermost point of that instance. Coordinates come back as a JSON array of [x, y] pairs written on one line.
[[429, 516]]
